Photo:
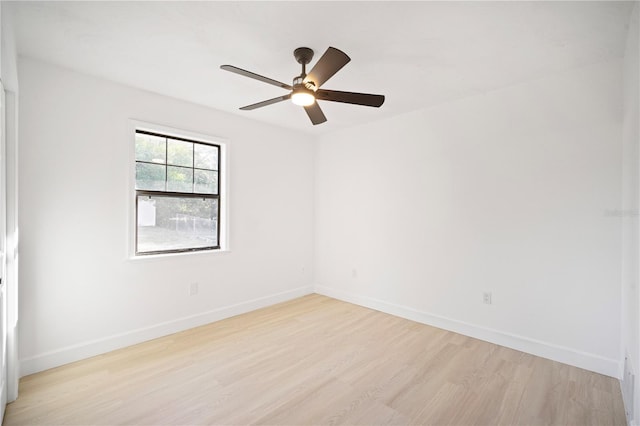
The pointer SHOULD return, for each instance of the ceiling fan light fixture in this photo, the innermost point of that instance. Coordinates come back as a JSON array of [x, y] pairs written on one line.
[[303, 97], [306, 87]]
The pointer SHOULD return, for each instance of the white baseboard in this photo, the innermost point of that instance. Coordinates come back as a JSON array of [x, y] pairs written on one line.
[[91, 348], [591, 362], [66, 355]]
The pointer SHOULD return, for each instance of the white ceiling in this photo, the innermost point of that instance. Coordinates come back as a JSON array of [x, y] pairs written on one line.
[[418, 54]]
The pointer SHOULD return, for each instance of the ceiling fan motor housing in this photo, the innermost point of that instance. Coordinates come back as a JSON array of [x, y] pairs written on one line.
[[300, 84]]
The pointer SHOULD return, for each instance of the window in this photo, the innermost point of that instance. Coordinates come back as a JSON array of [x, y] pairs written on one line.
[[177, 194]]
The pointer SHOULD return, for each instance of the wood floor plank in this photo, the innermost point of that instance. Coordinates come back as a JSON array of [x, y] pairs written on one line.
[[316, 360]]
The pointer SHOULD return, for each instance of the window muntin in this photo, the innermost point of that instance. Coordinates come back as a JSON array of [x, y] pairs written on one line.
[[177, 194]]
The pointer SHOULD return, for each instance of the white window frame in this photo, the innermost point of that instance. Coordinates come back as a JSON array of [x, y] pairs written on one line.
[[223, 177]]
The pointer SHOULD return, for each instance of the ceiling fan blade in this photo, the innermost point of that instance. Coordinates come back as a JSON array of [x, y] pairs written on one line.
[[365, 99], [330, 63], [255, 76], [267, 102], [315, 113]]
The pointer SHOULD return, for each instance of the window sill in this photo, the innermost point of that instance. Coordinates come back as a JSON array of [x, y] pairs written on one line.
[[183, 254]]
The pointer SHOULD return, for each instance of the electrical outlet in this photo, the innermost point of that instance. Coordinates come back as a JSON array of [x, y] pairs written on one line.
[[354, 273], [486, 297], [193, 289]]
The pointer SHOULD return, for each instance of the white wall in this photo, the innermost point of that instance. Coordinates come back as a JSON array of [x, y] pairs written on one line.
[[80, 294], [9, 76], [515, 191], [8, 58], [630, 211]]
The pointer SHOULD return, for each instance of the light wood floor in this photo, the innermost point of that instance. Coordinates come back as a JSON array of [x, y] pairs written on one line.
[[316, 360]]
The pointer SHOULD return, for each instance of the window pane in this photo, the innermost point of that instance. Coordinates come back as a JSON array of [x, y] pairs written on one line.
[[176, 223], [150, 176], [206, 182], [179, 179], [180, 153], [206, 156], [151, 149]]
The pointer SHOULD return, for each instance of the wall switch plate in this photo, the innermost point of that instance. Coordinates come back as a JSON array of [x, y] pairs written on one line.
[[486, 297]]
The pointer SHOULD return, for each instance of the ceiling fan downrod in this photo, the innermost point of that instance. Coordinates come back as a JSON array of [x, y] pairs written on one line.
[[303, 55]]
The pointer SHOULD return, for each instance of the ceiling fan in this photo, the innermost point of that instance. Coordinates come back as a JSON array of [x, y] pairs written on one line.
[[305, 89]]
